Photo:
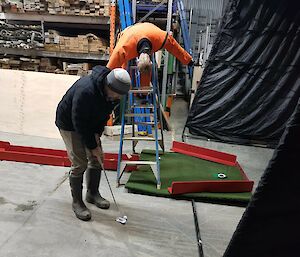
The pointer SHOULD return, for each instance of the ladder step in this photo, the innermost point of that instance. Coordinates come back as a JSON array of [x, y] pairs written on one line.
[[142, 88], [139, 115], [149, 123], [139, 138], [143, 106], [141, 91], [138, 162]]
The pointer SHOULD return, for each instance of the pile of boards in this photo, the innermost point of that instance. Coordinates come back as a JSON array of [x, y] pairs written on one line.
[[88, 43], [79, 7], [44, 64], [61, 7]]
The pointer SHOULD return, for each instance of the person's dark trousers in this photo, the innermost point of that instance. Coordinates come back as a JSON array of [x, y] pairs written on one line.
[[92, 195], [78, 206]]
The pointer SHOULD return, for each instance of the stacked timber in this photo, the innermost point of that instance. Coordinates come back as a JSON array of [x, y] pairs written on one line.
[[52, 41], [81, 44], [49, 65], [97, 44], [79, 69], [35, 6], [22, 63], [77, 44], [61, 7], [12, 6], [79, 7], [43, 64]]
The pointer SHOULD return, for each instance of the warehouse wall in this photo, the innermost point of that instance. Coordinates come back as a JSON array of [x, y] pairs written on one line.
[[215, 6], [205, 13], [28, 101]]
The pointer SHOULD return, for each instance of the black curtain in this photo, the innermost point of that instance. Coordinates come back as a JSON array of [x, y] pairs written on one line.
[[270, 226], [251, 84]]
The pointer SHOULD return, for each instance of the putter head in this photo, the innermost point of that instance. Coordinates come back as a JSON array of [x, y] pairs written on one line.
[[122, 220]]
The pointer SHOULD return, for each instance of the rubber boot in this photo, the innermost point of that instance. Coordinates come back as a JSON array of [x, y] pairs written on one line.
[[78, 206], [92, 195]]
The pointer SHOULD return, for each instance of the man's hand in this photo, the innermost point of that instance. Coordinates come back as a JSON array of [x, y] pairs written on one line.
[[98, 153], [191, 63]]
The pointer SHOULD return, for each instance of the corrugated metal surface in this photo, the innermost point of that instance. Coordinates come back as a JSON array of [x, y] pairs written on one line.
[[213, 6], [206, 15]]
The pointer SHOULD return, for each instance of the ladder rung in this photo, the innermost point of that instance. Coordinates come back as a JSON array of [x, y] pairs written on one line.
[[139, 91], [138, 162], [139, 138], [142, 88], [139, 114], [142, 106], [149, 123]]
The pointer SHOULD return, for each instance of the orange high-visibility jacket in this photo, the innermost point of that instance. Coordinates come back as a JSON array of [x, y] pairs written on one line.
[[126, 47]]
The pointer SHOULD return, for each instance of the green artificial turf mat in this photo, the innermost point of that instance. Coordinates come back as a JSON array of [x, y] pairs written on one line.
[[180, 167]]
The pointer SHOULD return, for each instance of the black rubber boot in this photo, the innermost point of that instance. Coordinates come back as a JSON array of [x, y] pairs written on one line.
[[78, 206], [92, 195]]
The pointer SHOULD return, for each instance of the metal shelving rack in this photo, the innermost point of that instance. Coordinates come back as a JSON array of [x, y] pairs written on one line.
[[51, 54], [93, 22], [98, 20]]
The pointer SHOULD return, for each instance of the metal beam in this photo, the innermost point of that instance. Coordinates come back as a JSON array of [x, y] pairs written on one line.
[[112, 26], [42, 53], [134, 10], [165, 70], [55, 18]]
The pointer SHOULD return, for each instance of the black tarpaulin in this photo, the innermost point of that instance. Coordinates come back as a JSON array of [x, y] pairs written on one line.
[[270, 225], [251, 84]]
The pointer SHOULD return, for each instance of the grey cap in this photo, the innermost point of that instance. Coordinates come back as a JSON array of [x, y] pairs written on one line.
[[118, 80]]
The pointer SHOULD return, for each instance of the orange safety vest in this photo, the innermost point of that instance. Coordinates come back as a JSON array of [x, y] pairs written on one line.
[[126, 47]]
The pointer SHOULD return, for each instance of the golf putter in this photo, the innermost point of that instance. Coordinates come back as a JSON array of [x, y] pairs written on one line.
[[123, 218]]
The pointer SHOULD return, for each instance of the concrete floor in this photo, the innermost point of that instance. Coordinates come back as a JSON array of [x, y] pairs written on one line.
[[36, 219]]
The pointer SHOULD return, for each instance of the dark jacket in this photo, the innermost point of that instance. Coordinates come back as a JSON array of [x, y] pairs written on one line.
[[84, 108]]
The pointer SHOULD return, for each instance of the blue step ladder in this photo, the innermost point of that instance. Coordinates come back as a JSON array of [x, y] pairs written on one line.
[[142, 108]]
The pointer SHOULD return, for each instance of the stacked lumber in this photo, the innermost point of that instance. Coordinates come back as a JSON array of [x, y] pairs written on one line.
[[81, 44], [79, 7], [64, 7], [52, 41], [44, 65], [48, 65], [8, 63], [12, 6], [79, 69], [28, 64], [77, 44], [34, 5], [97, 44]]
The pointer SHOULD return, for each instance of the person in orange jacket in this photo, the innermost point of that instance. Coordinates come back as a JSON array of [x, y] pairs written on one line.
[[141, 40]]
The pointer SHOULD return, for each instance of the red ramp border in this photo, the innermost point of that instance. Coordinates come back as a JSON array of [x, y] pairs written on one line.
[[221, 186], [204, 153], [227, 186], [54, 157]]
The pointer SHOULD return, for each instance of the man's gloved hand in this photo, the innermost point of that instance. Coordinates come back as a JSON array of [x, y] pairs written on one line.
[[98, 152], [191, 63]]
